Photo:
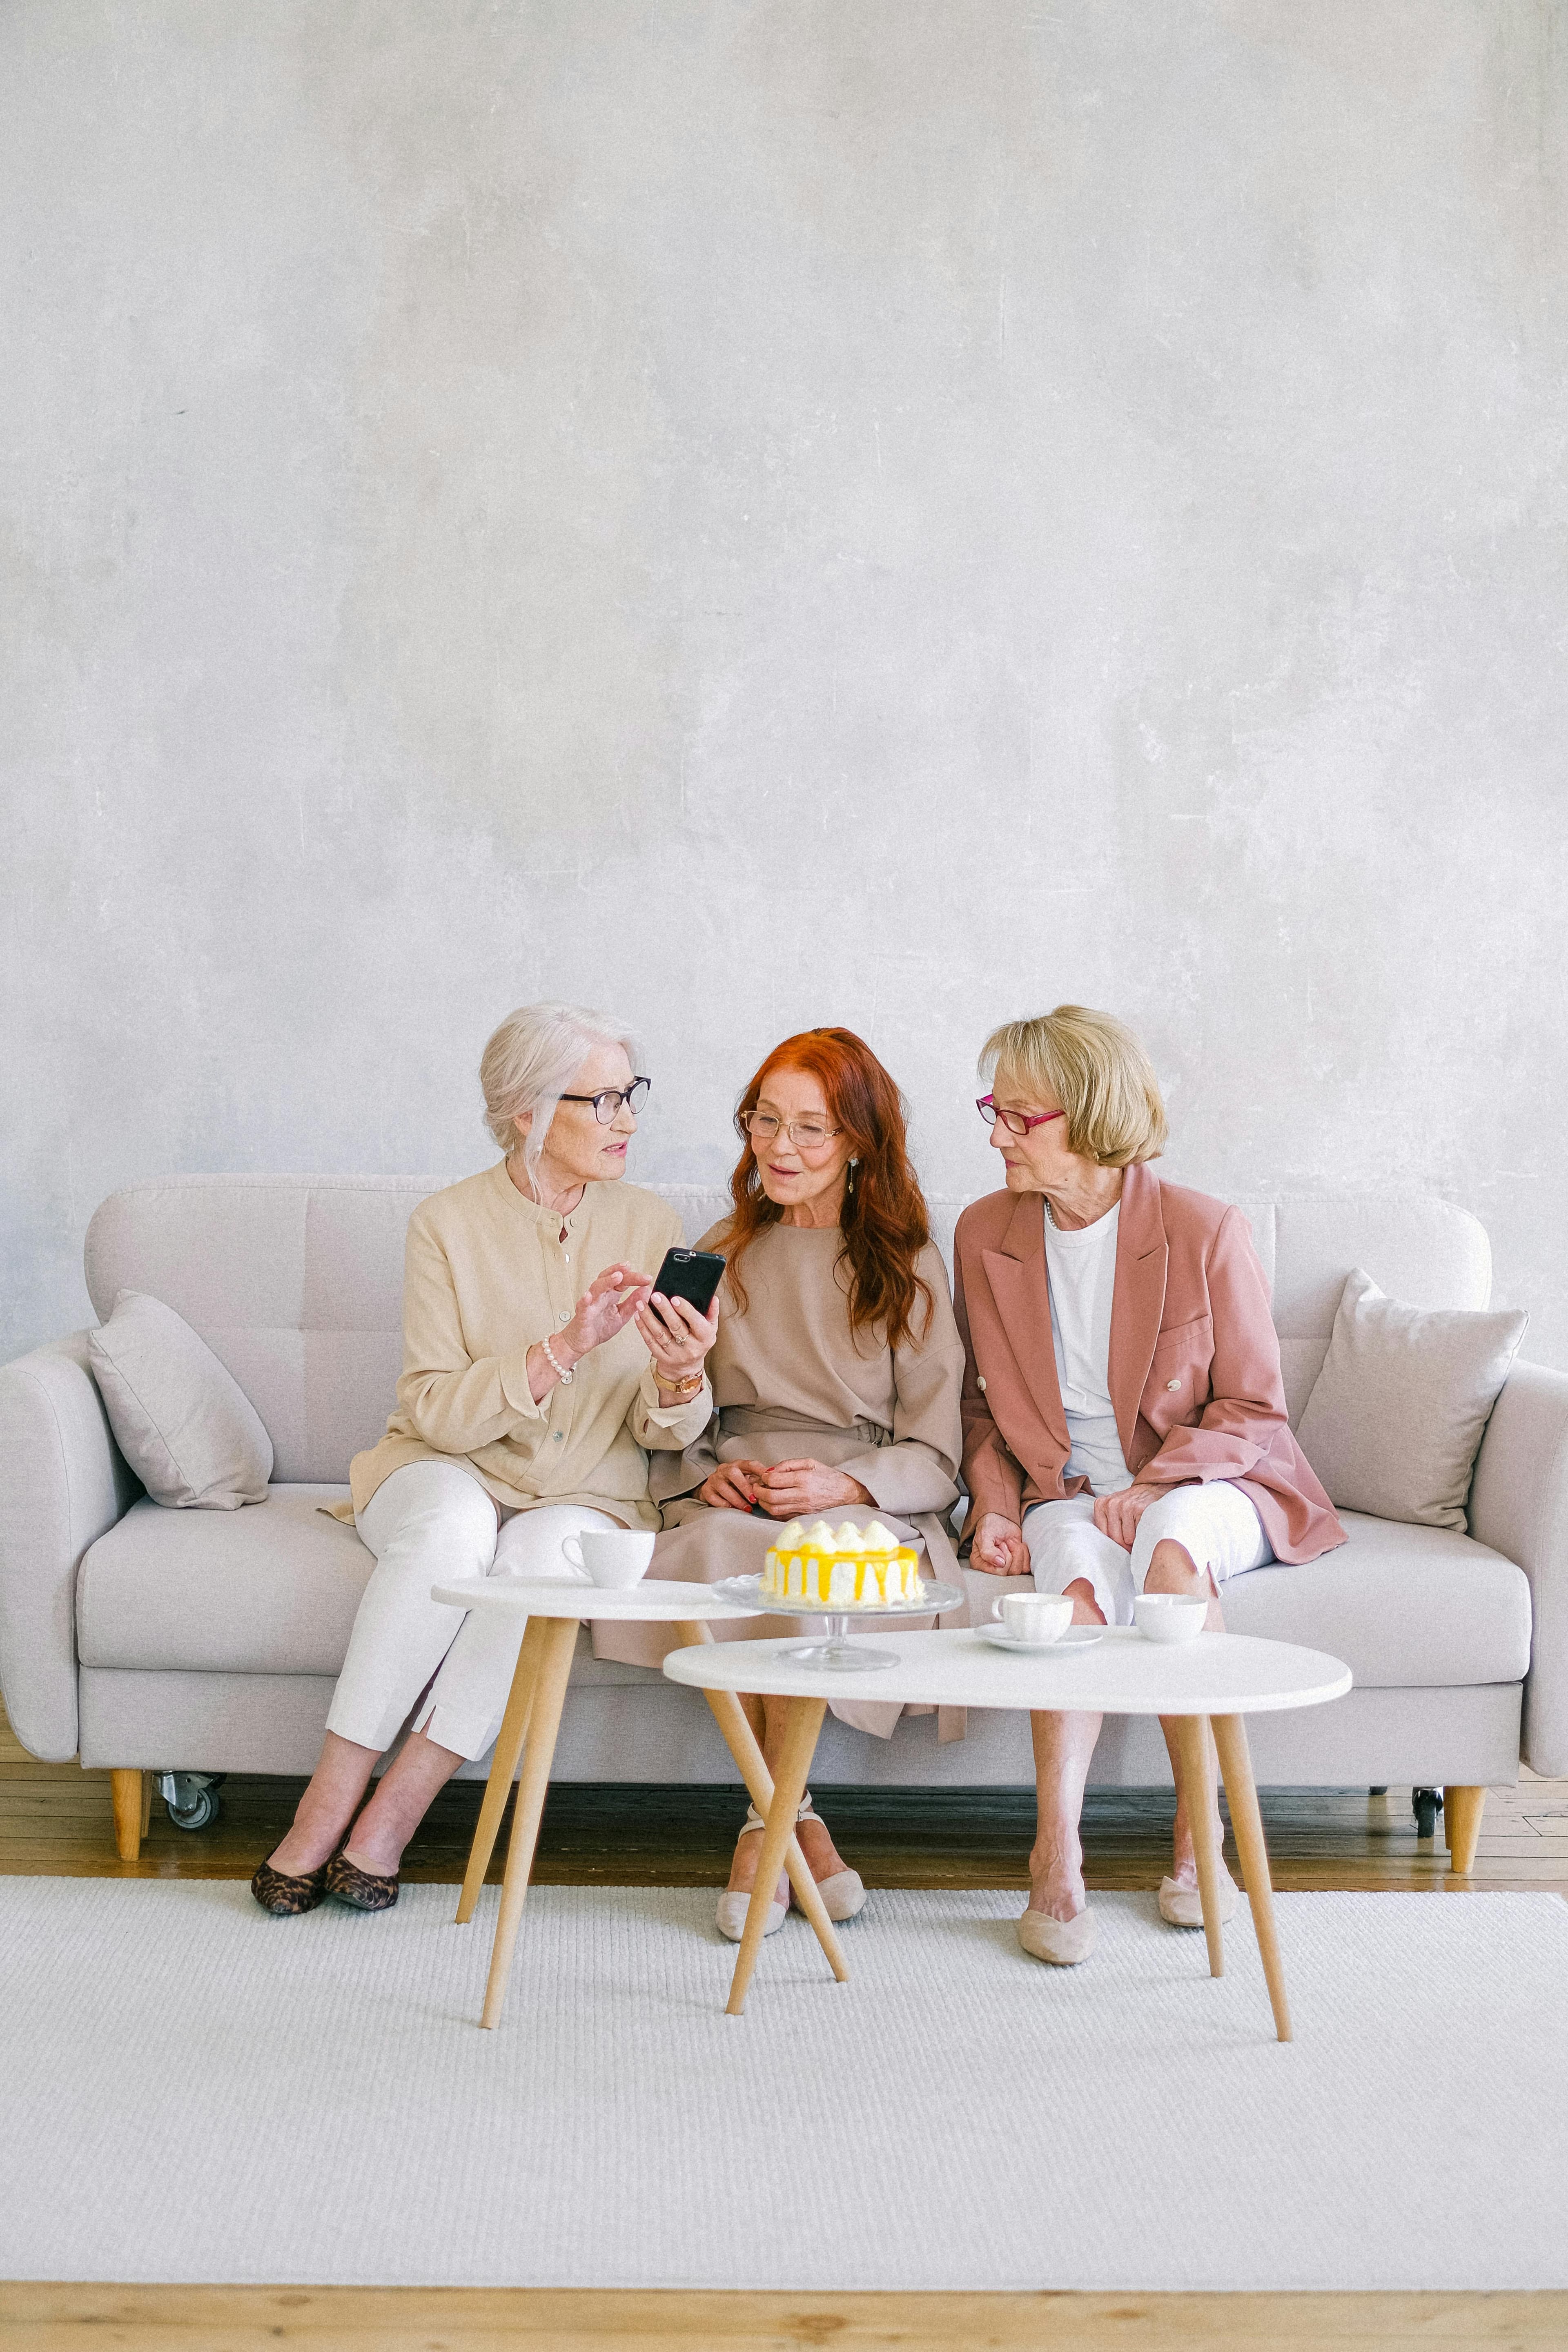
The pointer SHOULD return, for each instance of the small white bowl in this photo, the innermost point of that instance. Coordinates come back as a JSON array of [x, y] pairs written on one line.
[[1170, 1616]]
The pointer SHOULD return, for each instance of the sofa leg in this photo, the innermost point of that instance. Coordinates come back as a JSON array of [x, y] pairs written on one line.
[[125, 1794], [1462, 1810]]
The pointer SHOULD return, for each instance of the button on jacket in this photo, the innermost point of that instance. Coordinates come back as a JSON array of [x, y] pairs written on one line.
[[1194, 1370]]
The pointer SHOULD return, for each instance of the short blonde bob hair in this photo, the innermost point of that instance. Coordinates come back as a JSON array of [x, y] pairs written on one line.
[[529, 1062], [1091, 1065]]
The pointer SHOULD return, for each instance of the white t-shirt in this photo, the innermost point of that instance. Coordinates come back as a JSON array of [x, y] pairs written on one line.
[[1080, 1267]]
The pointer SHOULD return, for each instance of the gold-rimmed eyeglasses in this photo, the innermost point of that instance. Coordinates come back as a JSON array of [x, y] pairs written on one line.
[[805, 1134]]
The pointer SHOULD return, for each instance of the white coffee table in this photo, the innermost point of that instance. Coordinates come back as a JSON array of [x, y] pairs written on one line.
[[1217, 1680], [555, 1610]]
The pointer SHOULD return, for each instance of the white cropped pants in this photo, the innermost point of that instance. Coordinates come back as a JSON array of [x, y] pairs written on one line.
[[1214, 1523], [428, 1524]]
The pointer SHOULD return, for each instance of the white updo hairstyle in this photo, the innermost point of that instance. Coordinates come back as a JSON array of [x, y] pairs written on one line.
[[529, 1063]]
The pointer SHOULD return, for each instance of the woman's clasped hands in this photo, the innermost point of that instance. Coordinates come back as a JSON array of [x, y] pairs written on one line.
[[999, 1548], [784, 1490]]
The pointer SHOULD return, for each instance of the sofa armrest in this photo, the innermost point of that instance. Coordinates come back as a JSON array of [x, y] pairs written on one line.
[[1518, 1504], [63, 1482]]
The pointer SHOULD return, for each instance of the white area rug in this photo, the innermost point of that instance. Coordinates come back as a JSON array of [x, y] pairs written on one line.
[[191, 2092]]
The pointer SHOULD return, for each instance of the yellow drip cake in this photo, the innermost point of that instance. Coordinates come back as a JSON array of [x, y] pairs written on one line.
[[841, 1568]]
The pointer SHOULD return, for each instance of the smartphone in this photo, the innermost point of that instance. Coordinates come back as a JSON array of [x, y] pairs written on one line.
[[691, 1274]]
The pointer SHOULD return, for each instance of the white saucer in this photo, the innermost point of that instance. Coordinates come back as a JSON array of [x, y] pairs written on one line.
[[1076, 1637]]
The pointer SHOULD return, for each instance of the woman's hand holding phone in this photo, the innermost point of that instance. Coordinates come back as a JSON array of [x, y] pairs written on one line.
[[677, 1337]]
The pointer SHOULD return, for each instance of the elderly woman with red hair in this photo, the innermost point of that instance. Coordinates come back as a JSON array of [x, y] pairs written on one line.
[[837, 1374]]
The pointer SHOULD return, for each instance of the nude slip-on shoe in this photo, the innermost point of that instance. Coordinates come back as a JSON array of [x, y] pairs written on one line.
[[1182, 1906], [730, 1915], [1063, 1942], [843, 1894]]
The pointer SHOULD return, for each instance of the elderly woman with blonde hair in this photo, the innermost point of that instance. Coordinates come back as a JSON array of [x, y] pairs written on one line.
[[539, 1370], [1124, 1424]]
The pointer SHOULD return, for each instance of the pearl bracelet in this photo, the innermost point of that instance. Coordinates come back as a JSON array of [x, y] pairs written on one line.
[[561, 1374]]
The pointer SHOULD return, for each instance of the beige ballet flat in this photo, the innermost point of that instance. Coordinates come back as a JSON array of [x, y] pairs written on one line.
[[1182, 1906], [1063, 1942]]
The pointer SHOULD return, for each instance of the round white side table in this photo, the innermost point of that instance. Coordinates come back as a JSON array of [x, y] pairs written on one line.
[[1217, 1680], [554, 1610]]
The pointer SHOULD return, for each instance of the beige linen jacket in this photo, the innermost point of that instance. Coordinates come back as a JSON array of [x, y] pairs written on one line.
[[486, 1272]]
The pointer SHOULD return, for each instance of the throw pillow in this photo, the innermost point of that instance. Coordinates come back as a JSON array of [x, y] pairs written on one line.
[[1396, 1415], [182, 1421]]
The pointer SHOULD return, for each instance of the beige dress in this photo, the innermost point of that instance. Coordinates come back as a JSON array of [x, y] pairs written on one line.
[[790, 1384]]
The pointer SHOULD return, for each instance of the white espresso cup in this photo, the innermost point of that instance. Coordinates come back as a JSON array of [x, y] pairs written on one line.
[[1034, 1618], [613, 1558], [1170, 1616]]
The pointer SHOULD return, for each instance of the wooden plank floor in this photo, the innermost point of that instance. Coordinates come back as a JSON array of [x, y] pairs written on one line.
[[55, 1820]]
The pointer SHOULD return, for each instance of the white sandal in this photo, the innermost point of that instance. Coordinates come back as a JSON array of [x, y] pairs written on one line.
[[730, 1915], [844, 1891]]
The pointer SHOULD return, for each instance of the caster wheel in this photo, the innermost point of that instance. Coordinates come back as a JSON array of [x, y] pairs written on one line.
[[193, 1802], [1425, 1804]]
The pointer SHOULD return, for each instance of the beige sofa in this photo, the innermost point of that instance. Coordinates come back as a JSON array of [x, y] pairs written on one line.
[[207, 1641]]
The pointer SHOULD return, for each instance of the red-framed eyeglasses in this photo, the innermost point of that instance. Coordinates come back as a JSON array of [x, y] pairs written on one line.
[[1016, 1122]]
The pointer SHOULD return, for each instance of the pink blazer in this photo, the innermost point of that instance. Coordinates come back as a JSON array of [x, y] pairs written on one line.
[[1195, 1362]]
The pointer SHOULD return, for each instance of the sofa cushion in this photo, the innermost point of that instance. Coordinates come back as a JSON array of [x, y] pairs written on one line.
[[1397, 1413], [263, 1591], [183, 1421], [1403, 1606], [268, 1590]]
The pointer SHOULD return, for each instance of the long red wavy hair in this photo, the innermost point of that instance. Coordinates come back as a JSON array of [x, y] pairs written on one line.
[[884, 1220]]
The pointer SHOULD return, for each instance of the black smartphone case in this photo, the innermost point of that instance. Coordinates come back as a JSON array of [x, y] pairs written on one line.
[[691, 1274]]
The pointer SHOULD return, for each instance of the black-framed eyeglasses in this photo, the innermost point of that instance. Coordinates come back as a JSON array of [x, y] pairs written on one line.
[[609, 1100]]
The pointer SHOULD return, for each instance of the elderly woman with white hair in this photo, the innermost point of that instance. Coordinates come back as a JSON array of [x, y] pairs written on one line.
[[539, 1370], [1124, 1424]]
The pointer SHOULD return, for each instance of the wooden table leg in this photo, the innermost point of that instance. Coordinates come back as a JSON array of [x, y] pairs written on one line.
[[742, 1742], [544, 1721], [503, 1764], [801, 1727], [1235, 1763], [1193, 1741]]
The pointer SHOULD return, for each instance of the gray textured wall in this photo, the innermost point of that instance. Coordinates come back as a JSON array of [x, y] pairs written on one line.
[[763, 511]]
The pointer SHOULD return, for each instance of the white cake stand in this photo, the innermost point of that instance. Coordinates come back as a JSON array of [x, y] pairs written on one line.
[[839, 1654]]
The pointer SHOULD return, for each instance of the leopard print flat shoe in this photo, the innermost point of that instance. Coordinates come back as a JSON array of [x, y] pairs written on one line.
[[287, 1897], [359, 1888]]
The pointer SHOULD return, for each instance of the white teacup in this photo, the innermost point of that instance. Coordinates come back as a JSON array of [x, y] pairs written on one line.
[[1035, 1618], [1170, 1616], [613, 1558]]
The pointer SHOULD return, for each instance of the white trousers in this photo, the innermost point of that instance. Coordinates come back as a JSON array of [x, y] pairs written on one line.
[[1216, 1523], [429, 1524]]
